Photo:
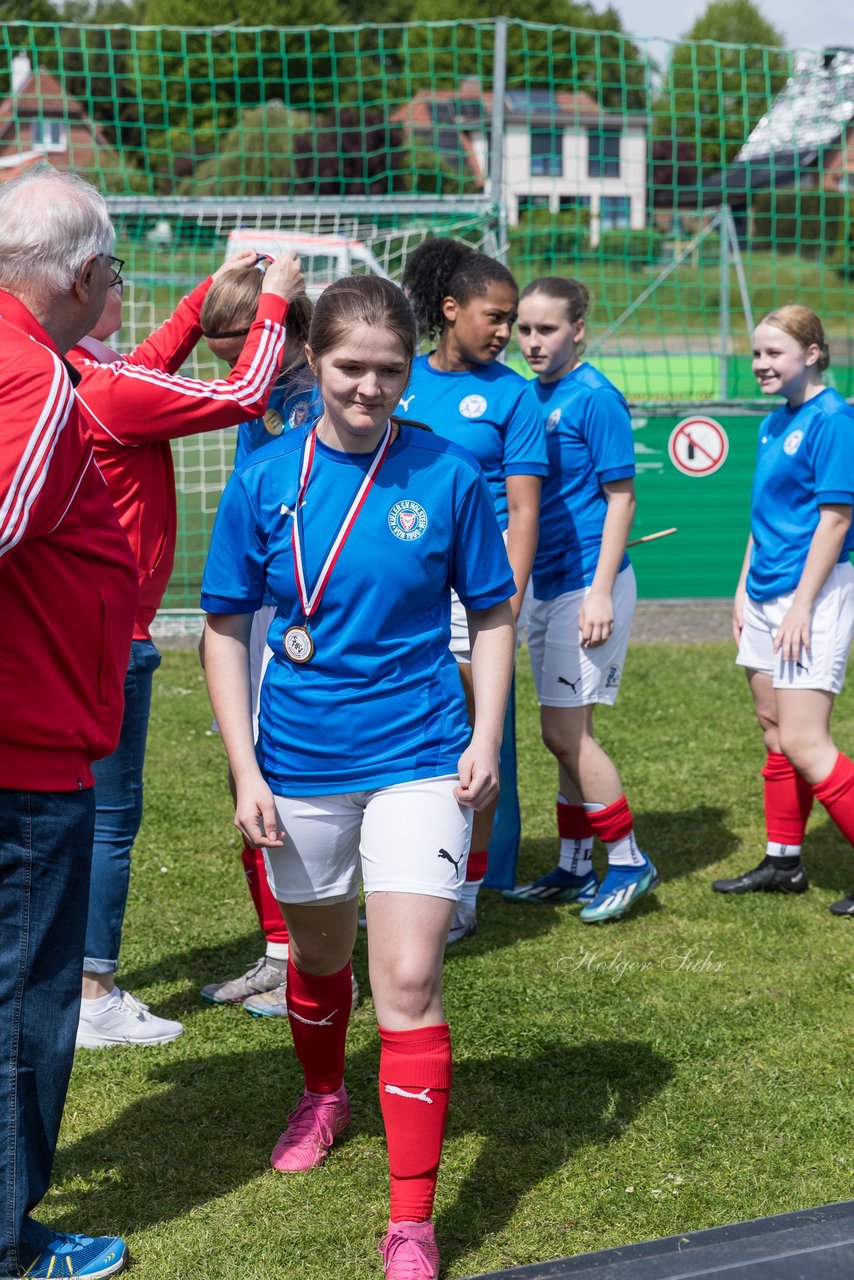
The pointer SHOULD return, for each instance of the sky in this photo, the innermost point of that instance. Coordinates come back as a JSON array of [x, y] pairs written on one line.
[[803, 24]]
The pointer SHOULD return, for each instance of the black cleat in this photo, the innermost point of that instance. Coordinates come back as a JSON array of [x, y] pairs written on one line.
[[766, 878], [844, 907]]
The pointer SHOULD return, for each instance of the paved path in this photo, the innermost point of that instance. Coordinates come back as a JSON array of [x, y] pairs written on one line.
[[681, 621], [655, 622]]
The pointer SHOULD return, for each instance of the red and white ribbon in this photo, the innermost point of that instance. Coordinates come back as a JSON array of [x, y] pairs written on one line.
[[311, 599]]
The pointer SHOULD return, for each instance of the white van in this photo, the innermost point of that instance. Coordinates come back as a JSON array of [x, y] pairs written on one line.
[[324, 258]]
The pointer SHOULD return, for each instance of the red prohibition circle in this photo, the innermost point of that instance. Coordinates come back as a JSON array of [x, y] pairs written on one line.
[[698, 446]]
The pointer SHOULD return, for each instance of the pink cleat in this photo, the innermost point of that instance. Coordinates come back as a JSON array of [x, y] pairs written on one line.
[[409, 1251], [313, 1125]]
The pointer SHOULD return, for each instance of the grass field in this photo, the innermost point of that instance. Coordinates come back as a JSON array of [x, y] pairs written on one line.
[[685, 1067]]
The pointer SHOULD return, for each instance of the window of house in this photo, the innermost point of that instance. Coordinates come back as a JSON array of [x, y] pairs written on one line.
[[524, 204], [546, 153], [567, 203], [615, 213], [603, 153], [49, 134]]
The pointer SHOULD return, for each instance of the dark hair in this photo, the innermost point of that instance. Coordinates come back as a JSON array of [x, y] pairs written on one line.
[[355, 300], [804, 326], [444, 268], [572, 293]]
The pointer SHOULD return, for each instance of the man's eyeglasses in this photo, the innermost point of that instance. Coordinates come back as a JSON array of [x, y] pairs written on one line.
[[118, 284], [115, 265]]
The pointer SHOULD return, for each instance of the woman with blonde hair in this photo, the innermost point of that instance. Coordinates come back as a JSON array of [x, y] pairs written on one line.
[[793, 617]]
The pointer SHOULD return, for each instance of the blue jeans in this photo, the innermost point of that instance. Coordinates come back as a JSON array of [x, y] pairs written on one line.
[[45, 854], [118, 814]]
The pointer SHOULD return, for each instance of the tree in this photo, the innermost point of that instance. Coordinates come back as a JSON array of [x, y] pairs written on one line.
[[715, 93], [256, 157], [571, 48]]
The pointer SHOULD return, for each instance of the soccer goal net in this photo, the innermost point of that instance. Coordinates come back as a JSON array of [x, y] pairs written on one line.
[[693, 187]]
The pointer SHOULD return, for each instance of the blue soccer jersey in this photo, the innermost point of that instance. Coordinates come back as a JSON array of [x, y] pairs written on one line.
[[490, 412], [805, 458], [291, 404], [381, 701], [589, 441]]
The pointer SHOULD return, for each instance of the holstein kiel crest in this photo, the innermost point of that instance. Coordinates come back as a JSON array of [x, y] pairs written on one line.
[[407, 520]]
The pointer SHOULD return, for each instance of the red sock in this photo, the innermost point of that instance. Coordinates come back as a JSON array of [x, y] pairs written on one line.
[[475, 870], [319, 1009], [415, 1085], [267, 909], [836, 793], [613, 822], [573, 822], [788, 800]]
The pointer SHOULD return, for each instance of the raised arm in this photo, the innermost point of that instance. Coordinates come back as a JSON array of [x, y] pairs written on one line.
[[129, 405], [170, 344]]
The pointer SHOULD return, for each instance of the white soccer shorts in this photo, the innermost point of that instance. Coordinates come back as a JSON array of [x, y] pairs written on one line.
[[412, 837], [831, 635], [565, 675]]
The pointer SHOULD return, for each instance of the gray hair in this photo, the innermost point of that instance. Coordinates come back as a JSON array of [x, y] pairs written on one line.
[[51, 221]]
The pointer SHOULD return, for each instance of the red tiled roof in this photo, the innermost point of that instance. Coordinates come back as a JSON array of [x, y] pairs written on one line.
[[417, 111], [41, 96]]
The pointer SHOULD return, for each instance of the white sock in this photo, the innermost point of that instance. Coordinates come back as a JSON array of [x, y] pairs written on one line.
[[774, 850], [625, 852], [470, 891], [621, 853], [277, 951], [102, 1003], [576, 855]]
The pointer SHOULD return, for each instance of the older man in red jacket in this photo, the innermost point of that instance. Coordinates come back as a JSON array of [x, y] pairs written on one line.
[[68, 592]]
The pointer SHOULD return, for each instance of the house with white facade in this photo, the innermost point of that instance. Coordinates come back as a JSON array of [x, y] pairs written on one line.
[[561, 150]]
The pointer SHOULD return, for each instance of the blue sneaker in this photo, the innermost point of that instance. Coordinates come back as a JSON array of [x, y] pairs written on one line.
[[556, 886], [620, 890], [91, 1256]]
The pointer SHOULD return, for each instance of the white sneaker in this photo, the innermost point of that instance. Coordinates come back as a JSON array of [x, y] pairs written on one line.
[[124, 1021], [464, 923]]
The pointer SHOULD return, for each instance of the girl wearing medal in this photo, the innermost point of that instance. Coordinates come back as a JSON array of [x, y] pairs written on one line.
[[584, 599], [134, 406], [467, 302], [360, 525]]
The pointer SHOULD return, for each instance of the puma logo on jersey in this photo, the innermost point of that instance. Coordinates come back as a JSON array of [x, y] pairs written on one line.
[[323, 1022], [571, 683], [443, 853], [416, 1097], [406, 401]]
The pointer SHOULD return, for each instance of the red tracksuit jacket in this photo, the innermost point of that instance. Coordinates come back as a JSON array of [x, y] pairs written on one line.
[[135, 405], [68, 588]]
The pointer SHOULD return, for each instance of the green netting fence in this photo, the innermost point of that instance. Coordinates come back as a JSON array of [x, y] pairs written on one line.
[[691, 197]]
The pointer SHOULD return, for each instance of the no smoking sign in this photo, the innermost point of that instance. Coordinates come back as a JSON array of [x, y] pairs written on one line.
[[698, 446]]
